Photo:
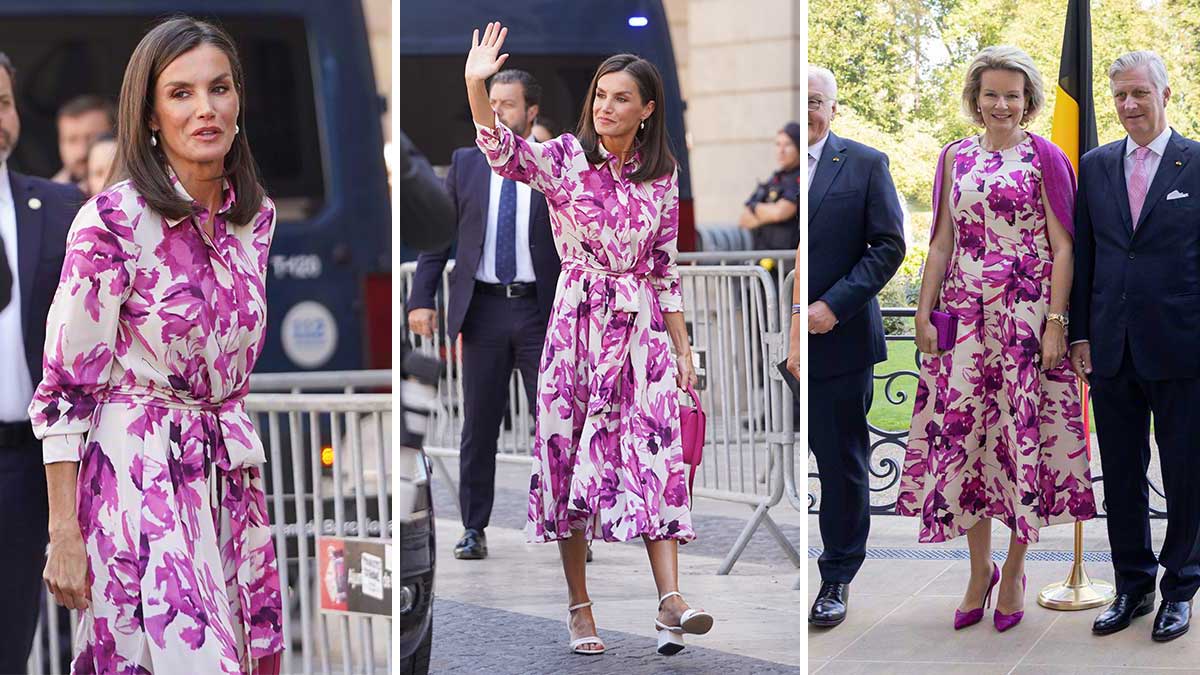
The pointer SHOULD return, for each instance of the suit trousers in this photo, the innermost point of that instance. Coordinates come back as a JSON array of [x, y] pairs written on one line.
[[24, 516], [838, 436], [498, 333], [1123, 405]]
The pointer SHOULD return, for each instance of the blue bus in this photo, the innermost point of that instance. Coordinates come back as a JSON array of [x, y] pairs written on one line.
[[314, 119], [560, 43]]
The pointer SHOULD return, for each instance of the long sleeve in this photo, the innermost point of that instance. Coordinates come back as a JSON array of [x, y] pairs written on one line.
[[427, 279], [1085, 260], [430, 264], [664, 274], [885, 248], [543, 166], [82, 329]]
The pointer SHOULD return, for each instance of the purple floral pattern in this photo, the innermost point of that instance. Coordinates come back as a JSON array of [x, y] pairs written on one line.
[[149, 346], [993, 435], [607, 453]]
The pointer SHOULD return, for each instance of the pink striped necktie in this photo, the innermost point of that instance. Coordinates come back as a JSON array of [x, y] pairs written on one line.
[[1139, 183]]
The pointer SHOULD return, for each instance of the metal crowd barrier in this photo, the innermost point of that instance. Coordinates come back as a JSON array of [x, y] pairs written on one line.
[[732, 311], [350, 498]]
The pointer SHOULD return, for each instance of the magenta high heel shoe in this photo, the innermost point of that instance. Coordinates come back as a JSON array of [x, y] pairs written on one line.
[[1005, 621], [971, 617]]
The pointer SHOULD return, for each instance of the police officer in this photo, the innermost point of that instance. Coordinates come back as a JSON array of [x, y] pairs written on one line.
[[772, 213]]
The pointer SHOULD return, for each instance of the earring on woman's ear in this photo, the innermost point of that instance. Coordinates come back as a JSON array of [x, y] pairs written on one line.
[[153, 140], [236, 129], [642, 125]]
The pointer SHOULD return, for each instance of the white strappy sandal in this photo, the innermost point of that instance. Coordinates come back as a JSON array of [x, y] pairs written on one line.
[[694, 621], [578, 643]]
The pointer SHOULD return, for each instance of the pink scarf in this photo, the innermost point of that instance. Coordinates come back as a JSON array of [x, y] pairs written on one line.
[[1057, 176]]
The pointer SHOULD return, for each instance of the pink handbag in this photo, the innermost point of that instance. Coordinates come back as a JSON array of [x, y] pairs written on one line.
[[691, 425]]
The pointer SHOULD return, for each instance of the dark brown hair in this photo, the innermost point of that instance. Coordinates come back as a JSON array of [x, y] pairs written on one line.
[[145, 164], [88, 103], [651, 142]]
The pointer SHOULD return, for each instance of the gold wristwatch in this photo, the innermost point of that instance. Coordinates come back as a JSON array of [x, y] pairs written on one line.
[[1060, 319]]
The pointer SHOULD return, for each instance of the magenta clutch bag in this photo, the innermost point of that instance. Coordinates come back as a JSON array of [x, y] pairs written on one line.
[[947, 329], [691, 426]]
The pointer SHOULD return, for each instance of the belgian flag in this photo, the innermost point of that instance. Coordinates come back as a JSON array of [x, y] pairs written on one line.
[[1074, 122], [1073, 127]]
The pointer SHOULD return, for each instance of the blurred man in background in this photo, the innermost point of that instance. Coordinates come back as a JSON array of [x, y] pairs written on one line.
[[501, 294], [81, 121], [35, 215]]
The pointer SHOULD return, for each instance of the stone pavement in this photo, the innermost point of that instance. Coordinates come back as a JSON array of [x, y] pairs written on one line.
[[901, 612], [507, 614]]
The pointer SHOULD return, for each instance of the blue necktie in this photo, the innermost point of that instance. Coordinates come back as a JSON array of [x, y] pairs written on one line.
[[506, 233]]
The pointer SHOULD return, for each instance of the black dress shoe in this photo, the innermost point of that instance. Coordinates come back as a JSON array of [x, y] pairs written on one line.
[[1125, 608], [472, 546], [1171, 620], [830, 607]]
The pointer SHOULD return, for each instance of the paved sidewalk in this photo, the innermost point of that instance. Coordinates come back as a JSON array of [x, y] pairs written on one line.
[[507, 614], [901, 612]]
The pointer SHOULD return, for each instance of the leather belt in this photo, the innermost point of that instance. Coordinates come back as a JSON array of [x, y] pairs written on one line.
[[514, 290], [16, 434]]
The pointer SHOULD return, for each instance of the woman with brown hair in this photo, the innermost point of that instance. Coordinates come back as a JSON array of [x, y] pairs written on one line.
[[607, 456], [158, 523]]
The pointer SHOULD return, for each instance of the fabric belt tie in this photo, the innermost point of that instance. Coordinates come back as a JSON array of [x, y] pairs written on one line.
[[240, 446], [622, 296]]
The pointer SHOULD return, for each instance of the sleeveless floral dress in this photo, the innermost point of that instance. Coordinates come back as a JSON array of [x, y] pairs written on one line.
[[993, 434]]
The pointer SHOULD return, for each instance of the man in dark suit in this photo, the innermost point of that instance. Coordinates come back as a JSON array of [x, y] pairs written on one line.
[[501, 292], [856, 244], [1135, 336], [35, 215]]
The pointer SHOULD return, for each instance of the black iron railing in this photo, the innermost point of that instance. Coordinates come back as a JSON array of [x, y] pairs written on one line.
[[888, 445]]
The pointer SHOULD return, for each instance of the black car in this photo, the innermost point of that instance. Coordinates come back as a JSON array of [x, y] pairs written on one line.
[[415, 509]]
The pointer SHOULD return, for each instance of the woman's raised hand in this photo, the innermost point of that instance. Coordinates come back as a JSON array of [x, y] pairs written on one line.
[[485, 59]]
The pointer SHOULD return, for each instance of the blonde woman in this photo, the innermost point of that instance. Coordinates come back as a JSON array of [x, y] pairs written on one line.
[[997, 428]]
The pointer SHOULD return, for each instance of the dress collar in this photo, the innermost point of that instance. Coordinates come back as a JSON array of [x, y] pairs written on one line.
[[197, 208], [606, 157]]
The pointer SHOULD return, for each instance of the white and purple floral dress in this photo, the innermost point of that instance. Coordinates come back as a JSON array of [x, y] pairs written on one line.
[[607, 453], [154, 330], [993, 434]]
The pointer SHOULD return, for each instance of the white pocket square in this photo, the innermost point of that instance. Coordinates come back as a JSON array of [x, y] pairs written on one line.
[[1176, 194]]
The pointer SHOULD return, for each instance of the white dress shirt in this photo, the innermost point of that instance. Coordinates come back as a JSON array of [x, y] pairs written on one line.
[[487, 265], [16, 389], [814, 156], [1158, 146]]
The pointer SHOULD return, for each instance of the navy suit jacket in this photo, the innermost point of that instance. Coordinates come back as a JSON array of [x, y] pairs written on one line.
[[468, 183], [1140, 285], [855, 245], [41, 247]]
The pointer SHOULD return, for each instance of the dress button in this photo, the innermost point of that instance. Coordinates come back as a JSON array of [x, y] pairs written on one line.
[[1131, 256]]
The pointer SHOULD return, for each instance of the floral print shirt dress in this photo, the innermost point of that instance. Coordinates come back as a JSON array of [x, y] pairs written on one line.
[[151, 338], [607, 453]]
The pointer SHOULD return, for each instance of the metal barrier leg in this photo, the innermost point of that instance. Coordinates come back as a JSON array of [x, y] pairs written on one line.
[[743, 539], [784, 543], [440, 466], [35, 655]]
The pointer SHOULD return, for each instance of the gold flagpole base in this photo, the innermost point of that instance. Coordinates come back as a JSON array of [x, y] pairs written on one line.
[[1078, 591]]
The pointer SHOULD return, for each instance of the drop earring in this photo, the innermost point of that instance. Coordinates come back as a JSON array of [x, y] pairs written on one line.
[[236, 129], [153, 140], [642, 126]]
